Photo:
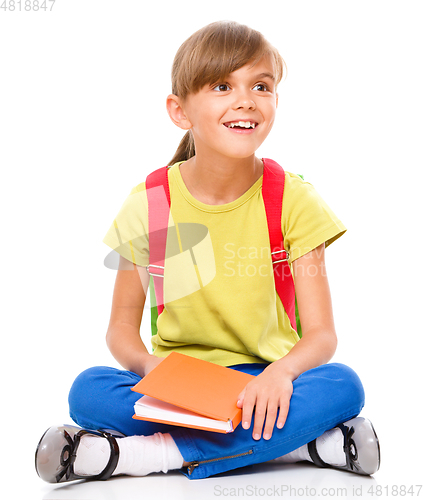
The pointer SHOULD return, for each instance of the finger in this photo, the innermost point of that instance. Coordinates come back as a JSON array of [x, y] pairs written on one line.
[[248, 406], [260, 414], [240, 398], [271, 416], [282, 415]]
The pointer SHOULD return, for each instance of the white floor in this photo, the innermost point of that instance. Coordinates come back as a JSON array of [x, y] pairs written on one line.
[[267, 480], [400, 468]]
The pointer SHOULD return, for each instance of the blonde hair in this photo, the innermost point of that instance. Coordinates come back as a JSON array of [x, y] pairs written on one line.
[[209, 56]]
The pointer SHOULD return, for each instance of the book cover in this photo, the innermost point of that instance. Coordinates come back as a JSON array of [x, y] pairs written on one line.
[[202, 388]]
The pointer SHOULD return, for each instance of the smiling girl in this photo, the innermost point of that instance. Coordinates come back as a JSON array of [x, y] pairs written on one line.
[[298, 406]]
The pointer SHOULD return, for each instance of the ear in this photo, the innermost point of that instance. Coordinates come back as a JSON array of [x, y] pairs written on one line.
[[176, 112], [276, 100]]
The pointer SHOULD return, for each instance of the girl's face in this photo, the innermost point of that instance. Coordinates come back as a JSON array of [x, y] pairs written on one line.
[[233, 117]]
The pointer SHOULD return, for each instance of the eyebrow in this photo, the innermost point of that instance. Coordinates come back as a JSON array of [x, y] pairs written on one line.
[[260, 76], [266, 75]]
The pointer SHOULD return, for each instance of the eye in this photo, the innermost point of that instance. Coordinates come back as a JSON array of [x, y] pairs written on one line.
[[222, 87], [261, 87]]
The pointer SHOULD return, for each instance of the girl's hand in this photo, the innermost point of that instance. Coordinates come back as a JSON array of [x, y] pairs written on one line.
[[267, 393], [272, 389]]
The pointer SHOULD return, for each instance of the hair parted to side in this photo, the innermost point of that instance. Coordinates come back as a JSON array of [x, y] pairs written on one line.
[[209, 56]]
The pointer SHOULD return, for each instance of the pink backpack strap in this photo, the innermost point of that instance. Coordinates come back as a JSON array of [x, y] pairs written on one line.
[[272, 193], [156, 186]]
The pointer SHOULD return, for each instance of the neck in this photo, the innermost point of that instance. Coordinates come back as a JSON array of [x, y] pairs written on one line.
[[220, 181]]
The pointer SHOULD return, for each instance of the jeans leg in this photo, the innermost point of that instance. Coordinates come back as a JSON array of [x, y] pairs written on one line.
[[322, 398], [101, 398]]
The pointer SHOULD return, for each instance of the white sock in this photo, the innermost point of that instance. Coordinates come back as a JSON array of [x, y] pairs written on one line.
[[138, 455], [142, 455], [92, 455], [295, 456], [329, 447]]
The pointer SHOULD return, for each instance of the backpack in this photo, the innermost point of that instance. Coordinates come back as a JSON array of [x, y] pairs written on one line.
[[158, 213]]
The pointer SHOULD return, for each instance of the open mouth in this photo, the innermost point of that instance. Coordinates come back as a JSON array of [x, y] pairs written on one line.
[[241, 125]]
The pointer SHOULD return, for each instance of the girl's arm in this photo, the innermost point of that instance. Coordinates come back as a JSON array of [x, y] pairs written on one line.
[[272, 389], [123, 334]]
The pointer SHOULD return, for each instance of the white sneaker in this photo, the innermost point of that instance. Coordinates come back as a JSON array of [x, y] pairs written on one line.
[[57, 450], [360, 445]]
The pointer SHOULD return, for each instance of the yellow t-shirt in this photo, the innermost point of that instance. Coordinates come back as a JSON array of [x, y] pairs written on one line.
[[219, 293]]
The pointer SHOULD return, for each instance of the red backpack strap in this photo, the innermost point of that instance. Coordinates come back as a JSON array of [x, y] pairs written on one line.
[[158, 207], [272, 193]]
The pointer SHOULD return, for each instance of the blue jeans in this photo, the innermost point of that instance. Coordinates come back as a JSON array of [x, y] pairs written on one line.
[[323, 397]]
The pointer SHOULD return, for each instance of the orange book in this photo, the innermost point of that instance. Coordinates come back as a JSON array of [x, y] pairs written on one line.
[[190, 392]]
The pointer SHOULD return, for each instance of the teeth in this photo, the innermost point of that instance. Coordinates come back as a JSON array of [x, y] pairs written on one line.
[[242, 124]]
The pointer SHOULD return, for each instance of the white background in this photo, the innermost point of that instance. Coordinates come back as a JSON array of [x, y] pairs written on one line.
[[83, 120]]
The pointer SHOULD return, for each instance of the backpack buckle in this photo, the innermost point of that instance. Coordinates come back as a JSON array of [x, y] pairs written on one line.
[[285, 258], [160, 268]]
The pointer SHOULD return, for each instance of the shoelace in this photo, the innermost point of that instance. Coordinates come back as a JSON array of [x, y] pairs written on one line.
[[69, 455], [349, 447], [67, 458]]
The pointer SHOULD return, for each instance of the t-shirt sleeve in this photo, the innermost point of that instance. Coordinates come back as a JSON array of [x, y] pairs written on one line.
[[128, 234], [307, 221]]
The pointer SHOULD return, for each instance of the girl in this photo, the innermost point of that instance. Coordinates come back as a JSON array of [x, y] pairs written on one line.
[[221, 302]]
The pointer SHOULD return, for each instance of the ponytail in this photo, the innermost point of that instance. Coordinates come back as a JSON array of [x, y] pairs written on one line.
[[185, 149]]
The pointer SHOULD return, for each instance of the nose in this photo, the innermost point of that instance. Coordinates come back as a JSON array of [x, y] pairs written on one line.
[[242, 100]]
